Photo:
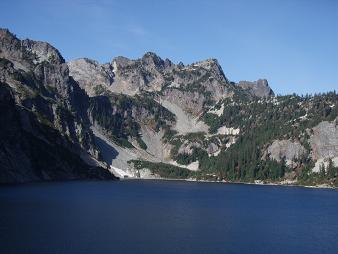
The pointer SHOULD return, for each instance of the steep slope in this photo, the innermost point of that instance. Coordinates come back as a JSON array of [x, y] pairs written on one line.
[[53, 114]]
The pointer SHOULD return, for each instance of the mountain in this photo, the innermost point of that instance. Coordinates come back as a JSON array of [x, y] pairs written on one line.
[[45, 129], [152, 118]]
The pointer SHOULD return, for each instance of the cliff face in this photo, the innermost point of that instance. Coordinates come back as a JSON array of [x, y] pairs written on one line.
[[324, 140], [47, 103], [287, 150], [259, 88]]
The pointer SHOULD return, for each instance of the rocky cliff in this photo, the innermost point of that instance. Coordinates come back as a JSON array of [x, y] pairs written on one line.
[[50, 120], [259, 88]]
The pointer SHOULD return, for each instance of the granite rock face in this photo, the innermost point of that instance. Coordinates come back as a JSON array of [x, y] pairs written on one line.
[[259, 88], [285, 149], [324, 140]]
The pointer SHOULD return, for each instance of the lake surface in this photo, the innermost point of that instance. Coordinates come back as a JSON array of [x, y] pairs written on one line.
[[166, 217]]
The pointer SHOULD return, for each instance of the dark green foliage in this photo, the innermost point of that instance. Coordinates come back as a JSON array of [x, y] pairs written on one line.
[[121, 116], [141, 143], [162, 169], [197, 154], [213, 121], [169, 134], [120, 125], [332, 171]]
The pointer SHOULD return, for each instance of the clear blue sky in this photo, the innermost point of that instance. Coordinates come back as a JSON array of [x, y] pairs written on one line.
[[292, 43]]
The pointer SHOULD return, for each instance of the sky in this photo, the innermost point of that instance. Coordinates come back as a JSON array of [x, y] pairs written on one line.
[[291, 43]]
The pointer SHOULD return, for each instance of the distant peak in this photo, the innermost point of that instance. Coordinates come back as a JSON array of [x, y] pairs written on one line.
[[259, 88], [211, 64], [150, 54], [150, 58]]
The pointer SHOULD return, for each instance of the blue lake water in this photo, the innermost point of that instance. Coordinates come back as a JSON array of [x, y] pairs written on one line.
[[166, 217]]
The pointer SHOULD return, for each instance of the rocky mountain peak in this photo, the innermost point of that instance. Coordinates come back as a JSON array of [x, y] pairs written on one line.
[[151, 56], [152, 60], [259, 88], [213, 66]]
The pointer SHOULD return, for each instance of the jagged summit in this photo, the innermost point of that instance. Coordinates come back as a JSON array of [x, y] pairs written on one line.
[[212, 65], [149, 73]]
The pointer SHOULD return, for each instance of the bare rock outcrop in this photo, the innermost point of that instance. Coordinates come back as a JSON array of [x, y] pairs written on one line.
[[259, 88], [324, 140], [92, 76], [285, 149]]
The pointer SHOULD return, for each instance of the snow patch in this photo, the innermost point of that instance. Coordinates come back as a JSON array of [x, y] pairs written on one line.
[[120, 173], [114, 68], [227, 131], [193, 166], [304, 117]]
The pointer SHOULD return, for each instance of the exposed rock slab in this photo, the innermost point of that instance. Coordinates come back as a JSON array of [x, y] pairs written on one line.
[[185, 123], [324, 140], [287, 149], [259, 88]]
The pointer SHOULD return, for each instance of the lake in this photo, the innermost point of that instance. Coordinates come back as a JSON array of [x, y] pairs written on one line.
[[140, 216]]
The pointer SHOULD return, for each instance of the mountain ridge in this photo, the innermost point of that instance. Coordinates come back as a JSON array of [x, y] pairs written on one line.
[[151, 118]]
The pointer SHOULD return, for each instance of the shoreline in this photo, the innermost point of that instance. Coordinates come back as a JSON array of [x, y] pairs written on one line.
[[321, 186]]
